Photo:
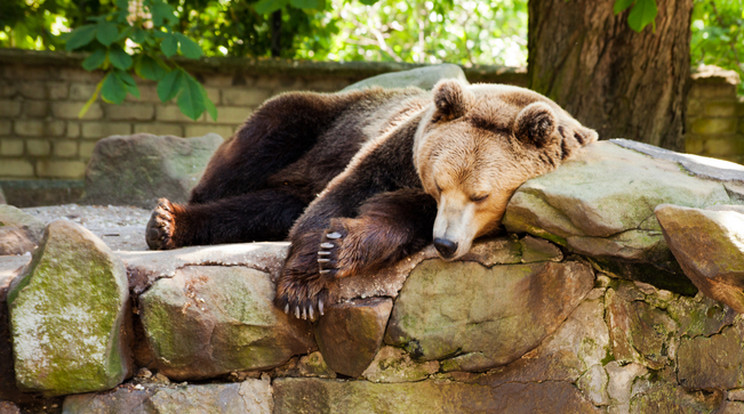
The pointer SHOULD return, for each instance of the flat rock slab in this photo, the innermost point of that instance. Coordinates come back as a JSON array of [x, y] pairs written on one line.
[[497, 313], [601, 202], [294, 395], [67, 315], [252, 396], [207, 321], [709, 246]]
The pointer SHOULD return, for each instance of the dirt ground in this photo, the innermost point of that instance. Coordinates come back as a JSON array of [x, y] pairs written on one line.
[[121, 228]]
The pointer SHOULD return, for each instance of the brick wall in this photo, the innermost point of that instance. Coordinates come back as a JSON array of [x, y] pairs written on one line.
[[43, 139], [41, 94], [715, 115]]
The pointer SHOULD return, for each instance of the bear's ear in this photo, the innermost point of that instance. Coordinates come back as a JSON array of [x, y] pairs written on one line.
[[450, 99], [536, 124]]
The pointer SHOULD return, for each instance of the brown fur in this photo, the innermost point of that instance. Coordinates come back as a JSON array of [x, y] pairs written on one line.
[[384, 173]]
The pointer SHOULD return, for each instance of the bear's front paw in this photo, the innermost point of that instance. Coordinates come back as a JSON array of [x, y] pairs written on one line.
[[330, 250], [345, 248], [302, 297], [160, 228]]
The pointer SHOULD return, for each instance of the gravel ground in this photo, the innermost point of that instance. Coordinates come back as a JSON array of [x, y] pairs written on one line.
[[120, 227]]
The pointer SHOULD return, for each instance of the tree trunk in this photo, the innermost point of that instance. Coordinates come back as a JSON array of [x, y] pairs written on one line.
[[276, 33], [622, 83]]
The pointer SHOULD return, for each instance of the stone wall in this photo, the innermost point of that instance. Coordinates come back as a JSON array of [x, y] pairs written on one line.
[[715, 115], [43, 142], [41, 95]]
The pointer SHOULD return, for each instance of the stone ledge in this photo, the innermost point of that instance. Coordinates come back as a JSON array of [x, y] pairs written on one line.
[[253, 66]]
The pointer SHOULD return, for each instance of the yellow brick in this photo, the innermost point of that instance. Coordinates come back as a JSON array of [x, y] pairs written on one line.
[[11, 147], [37, 147], [16, 168], [98, 130], [60, 169], [65, 148]]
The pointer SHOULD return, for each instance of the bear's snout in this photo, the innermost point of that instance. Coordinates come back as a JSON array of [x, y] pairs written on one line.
[[446, 248]]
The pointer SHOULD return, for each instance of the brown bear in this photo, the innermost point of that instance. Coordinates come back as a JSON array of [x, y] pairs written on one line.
[[361, 179]]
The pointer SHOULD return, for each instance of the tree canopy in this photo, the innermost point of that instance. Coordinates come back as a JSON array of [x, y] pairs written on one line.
[[127, 37]]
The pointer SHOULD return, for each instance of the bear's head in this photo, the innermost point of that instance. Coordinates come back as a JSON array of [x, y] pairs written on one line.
[[476, 144]]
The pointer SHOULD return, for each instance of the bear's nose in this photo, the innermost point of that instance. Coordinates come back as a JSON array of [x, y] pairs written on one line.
[[446, 248]]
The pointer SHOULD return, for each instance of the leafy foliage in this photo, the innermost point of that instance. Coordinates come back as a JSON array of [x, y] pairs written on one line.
[[466, 32], [642, 12], [130, 39], [718, 35]]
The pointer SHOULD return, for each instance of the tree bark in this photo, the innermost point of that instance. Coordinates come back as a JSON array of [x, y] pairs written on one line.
[[622, 83]]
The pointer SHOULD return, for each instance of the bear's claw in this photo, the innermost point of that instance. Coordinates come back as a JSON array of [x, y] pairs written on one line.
[[297, 301], [328, 251], [160, 228]]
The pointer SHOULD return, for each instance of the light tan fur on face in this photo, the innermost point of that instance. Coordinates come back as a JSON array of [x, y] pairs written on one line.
[[472, 163]]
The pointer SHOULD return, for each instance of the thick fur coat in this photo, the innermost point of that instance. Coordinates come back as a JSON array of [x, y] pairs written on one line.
[[359, 180]]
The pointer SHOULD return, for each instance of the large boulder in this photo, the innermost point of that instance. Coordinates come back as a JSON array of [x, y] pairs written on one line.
[[601, 204], [20, 232], [207, 321], [475, 314], [424, 77], [709, 245], [68, 314], [139, 169]]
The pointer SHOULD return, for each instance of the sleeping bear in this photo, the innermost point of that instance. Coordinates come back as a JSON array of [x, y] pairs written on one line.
[[358, 180]]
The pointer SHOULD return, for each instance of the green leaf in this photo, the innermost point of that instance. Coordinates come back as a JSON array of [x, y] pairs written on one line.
[[106, 33], [95, 59], [169, 86], [269, 6], [192, 97], [368, 2], [307, 4], [148, 68], [211, 108], [126, 78], [120, 59], [81, 37], [161, 13], [169, 46], [642, 13], [621, 5], [189, 48], [114, 90]]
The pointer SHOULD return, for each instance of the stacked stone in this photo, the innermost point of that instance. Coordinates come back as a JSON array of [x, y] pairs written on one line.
[[715, 115]]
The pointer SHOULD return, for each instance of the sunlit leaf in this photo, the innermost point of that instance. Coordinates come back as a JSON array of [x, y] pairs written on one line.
[[114, 90], [81, 37], [95, 59], [148, 68], [120, 59], [189, 48], [169, 86], [642, 14], [621, 5], [107, 33], [191, 101], [169, 46]]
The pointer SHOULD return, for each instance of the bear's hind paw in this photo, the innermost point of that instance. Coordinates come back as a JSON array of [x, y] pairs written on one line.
[[160, 228]]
